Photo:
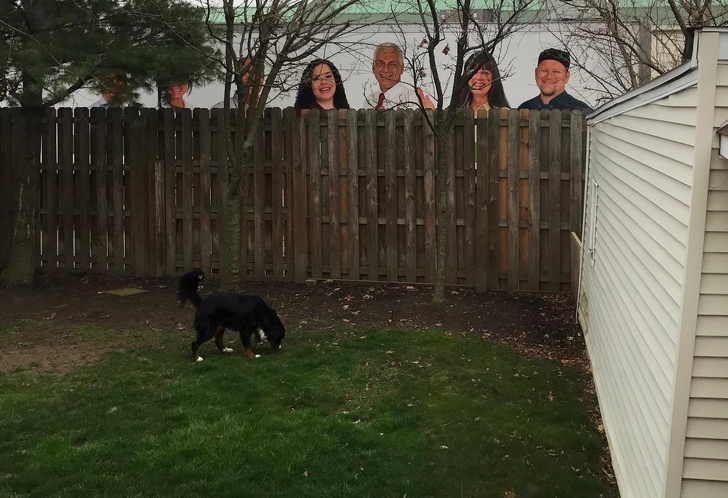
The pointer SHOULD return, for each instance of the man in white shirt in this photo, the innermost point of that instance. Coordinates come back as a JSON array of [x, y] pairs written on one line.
[[388, 66]]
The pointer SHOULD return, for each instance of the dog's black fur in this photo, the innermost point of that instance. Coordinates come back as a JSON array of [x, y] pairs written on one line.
[[248, 314]]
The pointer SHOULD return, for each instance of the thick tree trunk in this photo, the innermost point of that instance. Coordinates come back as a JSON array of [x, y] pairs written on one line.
[[238, 191], [23, 240]]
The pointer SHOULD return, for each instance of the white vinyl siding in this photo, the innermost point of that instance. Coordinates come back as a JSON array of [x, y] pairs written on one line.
[[654, 301], [642, 161]]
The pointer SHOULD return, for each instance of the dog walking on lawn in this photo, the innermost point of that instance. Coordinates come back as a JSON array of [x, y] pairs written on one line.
[[248, 314]]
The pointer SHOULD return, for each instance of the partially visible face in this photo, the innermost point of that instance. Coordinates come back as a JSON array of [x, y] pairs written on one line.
[[246, 68], [177, 91], [481, 82], [111, 86], [387, 68], [551, 77], [323, 83]]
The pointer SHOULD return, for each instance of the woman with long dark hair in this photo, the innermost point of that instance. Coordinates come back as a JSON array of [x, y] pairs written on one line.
[[484, 88], [173, 96], [321, 87]]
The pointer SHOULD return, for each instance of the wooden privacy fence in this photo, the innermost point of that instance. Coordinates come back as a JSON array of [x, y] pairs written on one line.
[[335, 194]]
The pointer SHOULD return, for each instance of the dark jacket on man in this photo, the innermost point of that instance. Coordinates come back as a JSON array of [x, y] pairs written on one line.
[[562, 101]]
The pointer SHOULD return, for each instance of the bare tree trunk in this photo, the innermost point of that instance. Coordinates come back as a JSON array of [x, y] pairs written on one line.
[[441, 190], [230, 242], [23, 249]]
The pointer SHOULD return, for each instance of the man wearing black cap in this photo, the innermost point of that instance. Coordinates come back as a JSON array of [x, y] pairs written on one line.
[[552, 74]]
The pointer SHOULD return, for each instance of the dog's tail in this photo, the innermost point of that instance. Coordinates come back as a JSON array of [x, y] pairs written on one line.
[[187, 289]]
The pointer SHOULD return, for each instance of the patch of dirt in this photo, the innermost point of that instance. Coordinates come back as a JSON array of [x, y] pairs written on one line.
[[542, 325]]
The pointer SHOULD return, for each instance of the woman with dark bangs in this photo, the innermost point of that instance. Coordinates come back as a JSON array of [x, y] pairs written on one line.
[[173, 96], [321, 87], [484, 88]]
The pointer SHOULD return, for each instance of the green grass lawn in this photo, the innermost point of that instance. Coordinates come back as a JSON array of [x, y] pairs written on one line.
[[380, 413]]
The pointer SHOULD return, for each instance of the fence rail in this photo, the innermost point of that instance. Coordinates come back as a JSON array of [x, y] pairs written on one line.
[[340, 194]]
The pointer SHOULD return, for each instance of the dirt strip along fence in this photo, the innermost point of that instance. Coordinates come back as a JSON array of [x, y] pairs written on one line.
[[344, 195]]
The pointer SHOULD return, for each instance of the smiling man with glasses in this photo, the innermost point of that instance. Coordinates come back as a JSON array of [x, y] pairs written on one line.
[[392, 93], [552, 75]]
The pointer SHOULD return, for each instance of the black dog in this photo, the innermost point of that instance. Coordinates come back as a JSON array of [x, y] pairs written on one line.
[[245, 313]]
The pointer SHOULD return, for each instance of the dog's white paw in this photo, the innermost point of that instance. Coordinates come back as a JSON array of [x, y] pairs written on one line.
[[257, 356], [199, 359], [227, 350]]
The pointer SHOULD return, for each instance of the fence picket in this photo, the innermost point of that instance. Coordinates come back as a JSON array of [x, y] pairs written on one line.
[[554, 202], [410, 203], [334, 246], [534, 202], [370, 196], [353, 213]]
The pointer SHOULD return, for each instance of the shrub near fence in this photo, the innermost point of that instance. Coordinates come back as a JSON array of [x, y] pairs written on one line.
[[341, 194]]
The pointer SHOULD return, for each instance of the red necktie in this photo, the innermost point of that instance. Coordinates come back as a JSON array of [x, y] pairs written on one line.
[[380, 102]]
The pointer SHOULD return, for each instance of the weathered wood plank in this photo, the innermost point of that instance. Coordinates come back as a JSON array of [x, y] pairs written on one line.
[[451, 248], [170, 189], [482, 201], [279, 172], [116, 162], [513, 218], [410, 202], [99, 170], [49, 189], [334, 249], [299, 206], [533, 221], [82, 191], [390, 195], [188, 193], [429, 202], [554, 202], [314, 185], [65, 168], [469, 187], [259, 183], [138, 191], [354, 238], [371, 195], [202, 117]]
